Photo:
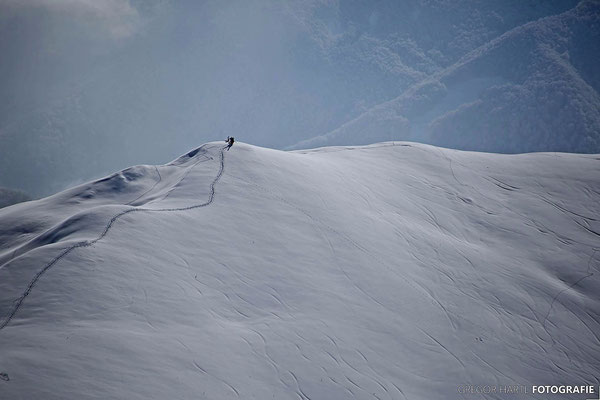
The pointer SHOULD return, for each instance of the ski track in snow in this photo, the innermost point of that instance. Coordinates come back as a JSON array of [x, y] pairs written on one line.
[[150, 189], [88, 243], [572, 285], [322, 226]]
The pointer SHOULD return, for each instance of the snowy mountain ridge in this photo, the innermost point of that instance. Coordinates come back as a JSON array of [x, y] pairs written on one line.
[[341, 63], [533, 83], [395, 270]]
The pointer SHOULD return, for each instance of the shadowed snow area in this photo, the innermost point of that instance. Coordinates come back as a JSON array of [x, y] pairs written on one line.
[[390, 271]]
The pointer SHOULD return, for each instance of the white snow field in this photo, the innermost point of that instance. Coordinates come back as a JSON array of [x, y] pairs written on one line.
[[390, 271]]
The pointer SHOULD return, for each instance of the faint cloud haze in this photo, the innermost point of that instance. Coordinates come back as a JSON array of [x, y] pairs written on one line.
[[91, 86], [118, 18]]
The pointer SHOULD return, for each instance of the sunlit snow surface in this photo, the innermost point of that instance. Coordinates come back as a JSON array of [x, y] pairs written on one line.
[[391, 271]]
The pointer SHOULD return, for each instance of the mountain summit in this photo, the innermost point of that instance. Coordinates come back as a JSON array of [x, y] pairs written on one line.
[[390, 271]]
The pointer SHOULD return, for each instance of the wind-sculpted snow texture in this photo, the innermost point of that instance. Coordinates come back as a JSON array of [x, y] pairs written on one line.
[[43, 239], [390, 271]]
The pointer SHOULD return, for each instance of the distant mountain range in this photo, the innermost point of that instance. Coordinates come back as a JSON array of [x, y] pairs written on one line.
[[534, 88], [509, 76]]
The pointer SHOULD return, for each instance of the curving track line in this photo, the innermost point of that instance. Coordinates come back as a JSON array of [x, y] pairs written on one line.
[[88, 243], [149, 190], [572, 285]]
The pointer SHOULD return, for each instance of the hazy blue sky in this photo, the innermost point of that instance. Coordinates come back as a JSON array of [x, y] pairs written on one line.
[[91, 86]]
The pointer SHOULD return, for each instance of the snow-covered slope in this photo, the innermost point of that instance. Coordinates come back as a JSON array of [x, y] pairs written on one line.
[[389, 271]]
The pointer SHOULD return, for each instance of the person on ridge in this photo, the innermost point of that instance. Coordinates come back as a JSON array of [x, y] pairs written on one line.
[[229, 141]]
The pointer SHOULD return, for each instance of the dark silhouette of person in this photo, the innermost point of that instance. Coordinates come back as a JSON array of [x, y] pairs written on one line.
[[229, 141]]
